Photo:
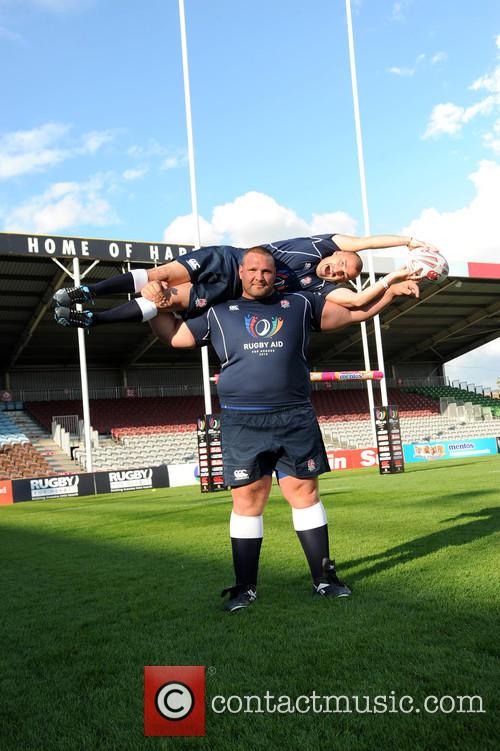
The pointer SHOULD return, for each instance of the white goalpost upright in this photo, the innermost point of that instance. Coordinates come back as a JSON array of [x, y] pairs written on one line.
[[366, 221], [84, 379], [192, 182]]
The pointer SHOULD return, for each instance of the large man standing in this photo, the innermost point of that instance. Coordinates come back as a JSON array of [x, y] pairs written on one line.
[[268, 423]]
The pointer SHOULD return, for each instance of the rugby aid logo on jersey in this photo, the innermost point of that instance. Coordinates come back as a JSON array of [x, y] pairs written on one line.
[[262, 328]]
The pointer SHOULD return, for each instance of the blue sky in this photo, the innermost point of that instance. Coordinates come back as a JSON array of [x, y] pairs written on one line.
[[93, 138]]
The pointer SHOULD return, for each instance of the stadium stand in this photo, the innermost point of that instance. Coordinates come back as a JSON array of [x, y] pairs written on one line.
[[156, 430], [121, 417], [448, 395], [26, 450], [178, 414], [18, 458]]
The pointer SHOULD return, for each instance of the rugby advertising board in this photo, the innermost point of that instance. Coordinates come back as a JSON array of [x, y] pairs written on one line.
[[51, 488], [388, 433], [208, 434], [121, 480], [428, 451], [352, 458]]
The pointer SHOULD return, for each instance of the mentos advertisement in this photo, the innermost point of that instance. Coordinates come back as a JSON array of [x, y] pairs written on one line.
[[435, 450]]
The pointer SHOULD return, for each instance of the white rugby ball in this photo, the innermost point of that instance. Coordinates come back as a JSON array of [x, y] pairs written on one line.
[[429, 263]]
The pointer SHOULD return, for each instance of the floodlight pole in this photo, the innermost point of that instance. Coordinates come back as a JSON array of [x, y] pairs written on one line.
[[83, 377], [366, 220], [192, 181]]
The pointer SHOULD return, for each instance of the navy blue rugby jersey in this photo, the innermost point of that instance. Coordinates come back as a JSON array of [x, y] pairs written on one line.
[[215, 263], [296, 261], [262, 346]]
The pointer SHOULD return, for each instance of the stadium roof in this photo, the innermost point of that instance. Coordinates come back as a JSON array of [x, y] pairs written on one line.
[[449, 319]]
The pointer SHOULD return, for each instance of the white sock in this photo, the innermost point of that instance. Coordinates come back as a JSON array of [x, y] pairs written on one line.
[[148, 308], [309, 518], [140, 278], [246, 527]]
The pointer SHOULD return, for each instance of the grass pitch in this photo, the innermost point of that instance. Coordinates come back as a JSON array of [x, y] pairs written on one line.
[[95, 588]]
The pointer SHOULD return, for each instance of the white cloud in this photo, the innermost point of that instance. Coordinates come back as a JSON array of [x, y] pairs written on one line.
[[154, 154], [410, 71], [397, 71], [490, 82], [170, 162], [21, 164], [492, 139], [471, 233], [26, 151], [152, 148], [439, 57], [62, 206], [336, 221], [92, 142], [484, 107], [134, 174], [449, 118], [32, 140], [401, 71], [182, 231], [445, 118], [255, 218], [497, 41]]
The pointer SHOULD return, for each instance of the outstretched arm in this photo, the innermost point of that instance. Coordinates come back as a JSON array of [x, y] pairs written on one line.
[[173, 331], [337, 317], [375, 242], [348, 298]]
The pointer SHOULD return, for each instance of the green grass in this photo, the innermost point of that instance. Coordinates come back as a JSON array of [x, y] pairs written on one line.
[[95, 588]]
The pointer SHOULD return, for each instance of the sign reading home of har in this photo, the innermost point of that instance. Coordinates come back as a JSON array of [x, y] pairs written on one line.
[[45, 246]]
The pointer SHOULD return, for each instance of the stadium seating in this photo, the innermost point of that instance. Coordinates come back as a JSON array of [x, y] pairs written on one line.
[[157, 430], [106, 415], [22, 460], [10, 433], [458, 396], [141, 450], [123, 417], [40, 455]]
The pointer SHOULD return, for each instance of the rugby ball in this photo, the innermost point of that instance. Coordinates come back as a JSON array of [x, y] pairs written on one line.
[[429, 264]]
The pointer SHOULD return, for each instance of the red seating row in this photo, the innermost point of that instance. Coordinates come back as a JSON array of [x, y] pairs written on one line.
[[106, 414], [178, 414], [22, 461]]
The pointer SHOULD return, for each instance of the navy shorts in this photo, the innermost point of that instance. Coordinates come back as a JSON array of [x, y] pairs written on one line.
[[255, 444], [214, 274]]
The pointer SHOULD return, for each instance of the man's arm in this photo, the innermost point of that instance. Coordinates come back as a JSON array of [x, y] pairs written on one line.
[[350, 299], [336, 317], [173, 331], [374, 242]]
